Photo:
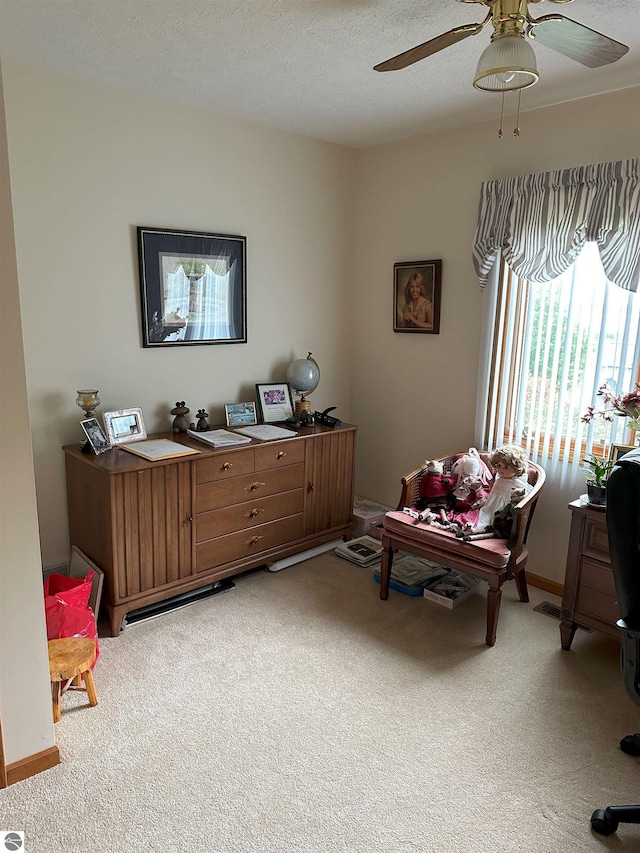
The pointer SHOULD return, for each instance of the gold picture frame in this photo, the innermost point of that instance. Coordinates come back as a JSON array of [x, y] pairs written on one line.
[[618, 450]]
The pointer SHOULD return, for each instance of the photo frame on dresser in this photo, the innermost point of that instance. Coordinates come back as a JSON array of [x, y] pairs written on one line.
[[193, 287], [124, 426], [95, 437], [274, 401], [240, 414]]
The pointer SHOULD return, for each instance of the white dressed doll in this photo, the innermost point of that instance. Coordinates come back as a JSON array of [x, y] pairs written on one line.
[[509, 463]]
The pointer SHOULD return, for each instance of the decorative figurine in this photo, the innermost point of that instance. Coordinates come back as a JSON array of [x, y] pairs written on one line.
[[180, 422], [202, 425]]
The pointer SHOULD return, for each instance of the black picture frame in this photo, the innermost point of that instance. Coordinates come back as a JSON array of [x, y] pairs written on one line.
[[419, 314], [193, 287], [96, 439], [275, 402]]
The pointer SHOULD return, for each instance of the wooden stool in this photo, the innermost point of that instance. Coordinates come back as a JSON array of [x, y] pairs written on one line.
[[71, 658]]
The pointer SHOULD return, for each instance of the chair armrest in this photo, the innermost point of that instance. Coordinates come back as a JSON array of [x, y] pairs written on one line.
[[411, 487], [523, 513]]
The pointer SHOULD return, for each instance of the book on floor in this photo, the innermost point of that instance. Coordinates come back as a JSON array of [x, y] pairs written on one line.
[[410, 575], [364, 550]]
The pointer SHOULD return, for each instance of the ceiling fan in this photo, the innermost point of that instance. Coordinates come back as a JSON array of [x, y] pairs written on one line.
[[508, 62]]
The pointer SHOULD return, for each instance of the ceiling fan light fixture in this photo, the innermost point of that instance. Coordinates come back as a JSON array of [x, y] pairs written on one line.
[[507, 64]]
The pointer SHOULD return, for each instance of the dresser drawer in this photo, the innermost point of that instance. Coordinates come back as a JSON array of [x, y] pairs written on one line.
[[597, 576], [275, 455], [247, 543], [230, 519], [596, 604], [596, 540], [248, 487], [224, 466]]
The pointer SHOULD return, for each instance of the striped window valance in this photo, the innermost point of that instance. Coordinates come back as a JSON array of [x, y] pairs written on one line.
[[541, 222]]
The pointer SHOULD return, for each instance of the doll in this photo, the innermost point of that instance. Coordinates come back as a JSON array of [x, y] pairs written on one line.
[[435, 490], [509, 463]]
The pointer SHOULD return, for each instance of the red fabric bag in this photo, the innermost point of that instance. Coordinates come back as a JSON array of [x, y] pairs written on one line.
[[67, 611]]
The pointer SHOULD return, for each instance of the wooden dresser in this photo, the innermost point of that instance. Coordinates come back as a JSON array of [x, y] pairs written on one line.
[[589, 597], [158, 529]]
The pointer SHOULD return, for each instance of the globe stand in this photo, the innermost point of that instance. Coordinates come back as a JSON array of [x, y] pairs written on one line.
[[302, 405]]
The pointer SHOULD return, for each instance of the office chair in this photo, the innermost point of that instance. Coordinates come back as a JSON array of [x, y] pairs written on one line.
[[623, 523]]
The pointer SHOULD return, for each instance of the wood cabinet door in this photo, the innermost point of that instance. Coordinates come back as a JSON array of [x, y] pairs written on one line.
[[329, 475], [152, 531]]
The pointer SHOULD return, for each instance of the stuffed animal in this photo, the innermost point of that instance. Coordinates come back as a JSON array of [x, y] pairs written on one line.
[[472, 481], [503, 520]]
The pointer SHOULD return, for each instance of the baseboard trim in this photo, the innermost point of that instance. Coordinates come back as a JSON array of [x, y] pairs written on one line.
[[32, 764], [545, 584]]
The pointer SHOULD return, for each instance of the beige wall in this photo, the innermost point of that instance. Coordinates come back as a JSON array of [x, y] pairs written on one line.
[[88, 165], [25, 702], [414, 395]]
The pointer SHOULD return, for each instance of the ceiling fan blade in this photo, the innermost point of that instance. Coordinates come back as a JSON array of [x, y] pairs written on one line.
[[415, 54], [576, 41]]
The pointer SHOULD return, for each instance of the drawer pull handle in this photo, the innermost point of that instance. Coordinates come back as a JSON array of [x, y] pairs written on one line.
[[281, 455], [253, 514], [226, 466], [253, 487], [310, 488], [254, 540]]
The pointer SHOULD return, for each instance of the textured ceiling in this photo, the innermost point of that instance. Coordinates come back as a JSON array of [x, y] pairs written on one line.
[[306, 65]]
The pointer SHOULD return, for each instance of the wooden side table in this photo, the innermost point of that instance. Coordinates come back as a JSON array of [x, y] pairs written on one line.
[[589, 597]]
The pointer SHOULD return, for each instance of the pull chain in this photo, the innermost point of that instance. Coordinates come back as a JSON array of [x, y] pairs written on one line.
[[516, 129], [501, 116]]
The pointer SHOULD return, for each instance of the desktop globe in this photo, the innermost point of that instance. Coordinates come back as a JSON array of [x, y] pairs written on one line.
[[303, 375]]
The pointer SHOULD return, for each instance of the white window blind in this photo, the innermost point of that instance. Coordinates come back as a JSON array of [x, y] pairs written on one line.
[[554, 344]]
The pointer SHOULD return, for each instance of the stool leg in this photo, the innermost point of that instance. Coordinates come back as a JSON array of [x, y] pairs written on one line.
[[77, 681], [91, 688], [55, 700]]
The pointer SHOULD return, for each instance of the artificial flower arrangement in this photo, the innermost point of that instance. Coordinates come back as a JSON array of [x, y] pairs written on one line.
[[621, 405]]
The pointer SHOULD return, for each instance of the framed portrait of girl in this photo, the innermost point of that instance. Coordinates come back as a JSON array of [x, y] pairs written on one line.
[[416, 296]]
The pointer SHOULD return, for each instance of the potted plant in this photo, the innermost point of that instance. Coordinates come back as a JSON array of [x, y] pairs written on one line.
[[597, 470]]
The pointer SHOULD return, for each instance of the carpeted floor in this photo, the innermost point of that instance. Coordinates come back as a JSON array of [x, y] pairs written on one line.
[[298, 713]]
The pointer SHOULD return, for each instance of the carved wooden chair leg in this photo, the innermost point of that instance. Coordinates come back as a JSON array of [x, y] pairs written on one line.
[[493, 611], [385, 571], [521, 583]]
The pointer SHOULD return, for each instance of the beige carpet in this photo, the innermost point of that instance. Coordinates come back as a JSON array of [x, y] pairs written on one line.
[[298, 713]]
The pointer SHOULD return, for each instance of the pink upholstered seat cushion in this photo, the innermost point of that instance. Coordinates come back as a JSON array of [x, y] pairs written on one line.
[[492, 552]]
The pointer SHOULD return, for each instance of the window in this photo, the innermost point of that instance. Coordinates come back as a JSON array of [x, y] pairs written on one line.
[[554, 344]]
